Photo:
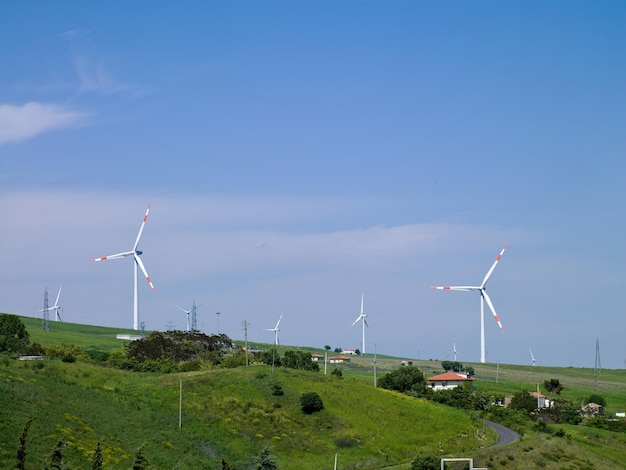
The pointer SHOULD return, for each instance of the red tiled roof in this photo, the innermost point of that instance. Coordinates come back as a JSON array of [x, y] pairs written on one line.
[[450, 376]]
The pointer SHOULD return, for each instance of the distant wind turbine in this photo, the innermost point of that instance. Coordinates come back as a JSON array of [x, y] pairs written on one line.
[[55, 307], [194, 307], [362, 316], [483, 297], [135, 253], [531, 355], [276, 330]]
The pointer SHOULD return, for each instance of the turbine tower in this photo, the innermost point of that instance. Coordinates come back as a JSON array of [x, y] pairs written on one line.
[[483, 297], [54, 308], [276, 330], [135, 253], [362, 316]]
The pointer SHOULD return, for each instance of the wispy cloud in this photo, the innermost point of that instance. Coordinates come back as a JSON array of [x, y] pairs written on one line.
[[31, 119]]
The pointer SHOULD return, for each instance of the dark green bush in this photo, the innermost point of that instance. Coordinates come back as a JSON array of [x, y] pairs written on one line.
[[311, 402]]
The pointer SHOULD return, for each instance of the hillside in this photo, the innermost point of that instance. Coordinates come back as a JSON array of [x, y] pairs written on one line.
[[234, 413]]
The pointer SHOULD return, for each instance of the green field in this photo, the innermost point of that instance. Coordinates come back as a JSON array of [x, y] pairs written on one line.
[[233, 414]]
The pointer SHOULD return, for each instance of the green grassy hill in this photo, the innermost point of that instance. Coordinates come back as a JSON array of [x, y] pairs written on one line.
[[233, 414]]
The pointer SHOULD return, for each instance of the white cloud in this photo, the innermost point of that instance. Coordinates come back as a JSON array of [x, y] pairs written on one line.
[[31, 119]]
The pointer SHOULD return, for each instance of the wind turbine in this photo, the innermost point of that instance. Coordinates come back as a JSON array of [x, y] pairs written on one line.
[[135, 253], [192, 311], [362, 316], [276, 330], [483, 297], [531, 355], [55, 307], [454, 348]]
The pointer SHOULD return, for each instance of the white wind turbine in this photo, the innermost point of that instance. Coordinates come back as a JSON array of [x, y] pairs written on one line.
[[454, 348], [135, 253], [276, 330], [483, 297], [192, 311], [531, 355], [55, 307], [362, 316]]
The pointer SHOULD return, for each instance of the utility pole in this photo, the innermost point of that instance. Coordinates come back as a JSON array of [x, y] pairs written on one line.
[[218, 322], [245, 334], [374, 365], [597, 371]]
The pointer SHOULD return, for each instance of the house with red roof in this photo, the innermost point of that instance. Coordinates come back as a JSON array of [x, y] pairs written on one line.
[[448, 380]]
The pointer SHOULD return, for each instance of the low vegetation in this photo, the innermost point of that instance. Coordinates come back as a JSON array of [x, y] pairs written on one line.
[[95, 404]]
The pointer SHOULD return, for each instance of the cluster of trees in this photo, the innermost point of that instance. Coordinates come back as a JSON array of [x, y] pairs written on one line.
[[409, 380], [455, 366], [292, 359], [172, 351]]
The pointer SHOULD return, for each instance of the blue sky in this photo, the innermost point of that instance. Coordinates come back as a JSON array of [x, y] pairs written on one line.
[[299, 154]]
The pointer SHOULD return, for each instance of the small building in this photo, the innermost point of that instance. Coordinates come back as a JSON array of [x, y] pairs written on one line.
[[448, 380], [351, 352], [338, 359], [406, 363], [316, 357], [541, 400]]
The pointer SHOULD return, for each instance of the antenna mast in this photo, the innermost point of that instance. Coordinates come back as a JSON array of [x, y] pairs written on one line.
[[45, 323], [597, 371]]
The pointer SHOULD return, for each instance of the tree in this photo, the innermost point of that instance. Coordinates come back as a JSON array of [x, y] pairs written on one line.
[[21, 450], [265, 460], [408, 380], [300, 360], [523, 401], [327, 347], [140, 462], [13, 334], [553, 385], [311, 402], [56, 460], [597, 399], [98, 460], [426, 462]]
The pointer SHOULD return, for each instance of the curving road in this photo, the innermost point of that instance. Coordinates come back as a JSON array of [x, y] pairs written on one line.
[[505, 435]]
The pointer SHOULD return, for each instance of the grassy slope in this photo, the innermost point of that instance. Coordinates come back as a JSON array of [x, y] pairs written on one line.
[[231, 413]]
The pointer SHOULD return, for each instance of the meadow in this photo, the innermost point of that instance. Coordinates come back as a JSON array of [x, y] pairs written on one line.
[[232, 414]]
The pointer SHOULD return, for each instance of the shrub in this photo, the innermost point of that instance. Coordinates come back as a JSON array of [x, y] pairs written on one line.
[[408, 380], [597, 399], [337, 373], [311, 402], [426, 462], [277, 389]]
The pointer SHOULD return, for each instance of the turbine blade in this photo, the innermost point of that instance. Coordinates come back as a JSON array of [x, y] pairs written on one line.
[[357, 320], [186, 311], [365, 322], [56, 302], [115, 256], [143, 269], [459, 288], [493, 266], [493, 310], [361, 304], [143, 223], [279, 319]]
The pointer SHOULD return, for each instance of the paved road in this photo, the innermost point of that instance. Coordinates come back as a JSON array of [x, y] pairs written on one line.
[[505, 435]]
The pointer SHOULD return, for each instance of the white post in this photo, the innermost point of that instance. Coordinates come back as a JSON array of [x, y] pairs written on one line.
[[335, 461], [325, 361], [180, 406]]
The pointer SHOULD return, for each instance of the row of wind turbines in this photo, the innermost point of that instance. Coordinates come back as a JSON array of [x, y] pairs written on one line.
[[135, 254]]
